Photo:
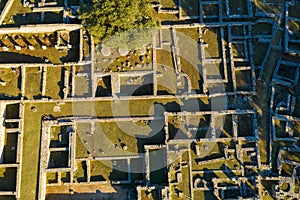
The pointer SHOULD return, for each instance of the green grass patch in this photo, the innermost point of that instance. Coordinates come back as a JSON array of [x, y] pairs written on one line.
[[54, 84], [212, 39], [81, 151], [114, 133], [164, 57], [65, 177], [168, 3], [190, 32], [184, 186], [213, 151], [81, 171], [193, 73], [33, 83], [51, 177], [31, 144], [31, 140], [17, 8], [38, 55], [99, 171], [164, 17], [10, 78]]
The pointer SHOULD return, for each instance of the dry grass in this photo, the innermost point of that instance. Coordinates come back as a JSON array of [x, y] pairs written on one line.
[[100, 171], [33, 83], [35, 40], [192, 72], [31, 143], [10, 77], [51, 177], [164, 17], [168, 3], [212, 38], [16, 8], [191, 32], [164, 58], [53, 86]]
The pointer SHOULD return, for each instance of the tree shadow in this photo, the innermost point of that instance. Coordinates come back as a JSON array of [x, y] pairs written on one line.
[[10, 57]]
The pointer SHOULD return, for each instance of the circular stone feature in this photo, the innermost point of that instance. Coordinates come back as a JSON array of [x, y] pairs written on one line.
[[142, 59], [106, 51], [123, 51], [124, 147], [33, 109]]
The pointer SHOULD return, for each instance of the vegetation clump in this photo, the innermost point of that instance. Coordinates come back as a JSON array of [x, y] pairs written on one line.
[[106, 18]]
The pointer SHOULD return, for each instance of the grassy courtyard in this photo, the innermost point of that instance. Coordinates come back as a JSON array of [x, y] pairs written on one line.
[[54, 84], [212, 38], [33, 83], [10, 79], [31, 138]]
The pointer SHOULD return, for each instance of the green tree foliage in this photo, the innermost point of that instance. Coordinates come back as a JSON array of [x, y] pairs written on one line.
[[132, 40], [105, 18]]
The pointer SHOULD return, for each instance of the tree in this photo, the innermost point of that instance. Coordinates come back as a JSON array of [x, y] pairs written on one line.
[[106, 18]]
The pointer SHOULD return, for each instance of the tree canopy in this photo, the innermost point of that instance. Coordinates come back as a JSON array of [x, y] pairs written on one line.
[[106, 18]]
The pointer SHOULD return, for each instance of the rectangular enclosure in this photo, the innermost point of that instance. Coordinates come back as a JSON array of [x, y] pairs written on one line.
[[243, 80], [8, 178], [158, 168], [212, 42], [33, 83], [10, 82]]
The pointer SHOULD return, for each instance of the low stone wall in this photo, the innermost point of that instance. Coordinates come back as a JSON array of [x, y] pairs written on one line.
[[40, 28]]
